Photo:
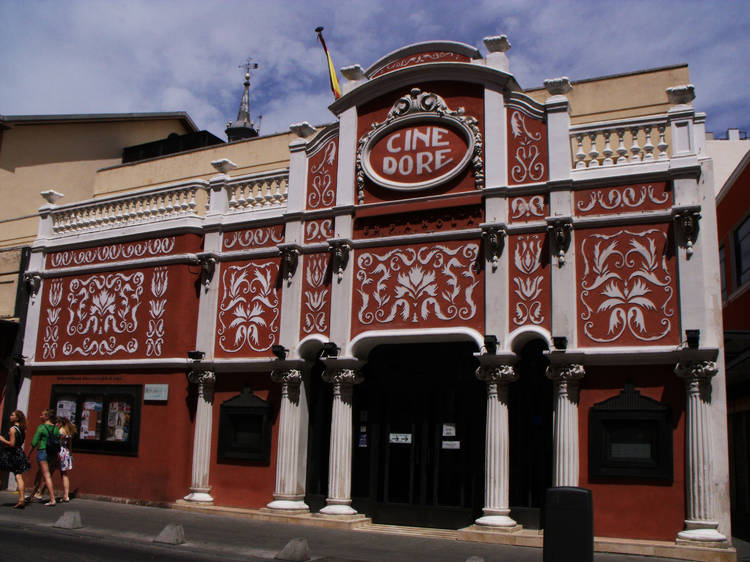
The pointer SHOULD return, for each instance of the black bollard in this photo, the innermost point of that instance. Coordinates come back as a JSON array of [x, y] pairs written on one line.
[[568, 525]]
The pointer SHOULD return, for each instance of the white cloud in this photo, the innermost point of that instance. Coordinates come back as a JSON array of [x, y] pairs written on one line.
[[92, 56]]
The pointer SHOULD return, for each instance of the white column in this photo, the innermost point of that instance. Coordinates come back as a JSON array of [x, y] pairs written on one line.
[[700, 524], [565, 426], [290, 484], [496, 464], [340, 457], [199, 486]]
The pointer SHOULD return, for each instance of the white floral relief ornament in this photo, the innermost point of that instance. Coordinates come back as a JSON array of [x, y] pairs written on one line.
[[416, 285], [626, 286], [249, 308], [102, 308]]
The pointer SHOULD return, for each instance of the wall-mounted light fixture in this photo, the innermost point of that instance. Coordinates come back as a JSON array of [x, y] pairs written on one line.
[[560, 342], [330, 349], [491, 343], [279, 351], [693, 338], [195, 355]]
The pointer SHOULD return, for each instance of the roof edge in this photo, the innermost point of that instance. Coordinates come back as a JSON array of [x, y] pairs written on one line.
[[619, 75], [101, 117]]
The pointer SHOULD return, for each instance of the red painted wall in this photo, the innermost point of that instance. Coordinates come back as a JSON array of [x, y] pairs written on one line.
[[635, 508], [732, 209], [243, 483], [162, 469]]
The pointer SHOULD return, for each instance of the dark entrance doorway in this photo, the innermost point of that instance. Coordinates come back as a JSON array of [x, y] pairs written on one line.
[[419, 436], [530, 413]]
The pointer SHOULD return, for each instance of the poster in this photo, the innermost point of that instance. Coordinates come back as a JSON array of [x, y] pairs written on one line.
[[66, 408], [91, 418], [118, 421]]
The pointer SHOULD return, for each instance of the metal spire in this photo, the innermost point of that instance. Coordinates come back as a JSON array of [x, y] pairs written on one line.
[[243, 128]]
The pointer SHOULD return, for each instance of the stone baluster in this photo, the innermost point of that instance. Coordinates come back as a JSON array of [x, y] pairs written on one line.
[[700, 524], [635, 149], [199, 486], [662, 145], [607, 151], [621, 150], [565, 428], [580, 154], [496, 464], [259, 187], [339, 498], [593, 152], [289, 492], [648, 147]]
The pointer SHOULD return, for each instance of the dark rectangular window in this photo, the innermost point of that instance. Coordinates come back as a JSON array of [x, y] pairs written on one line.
[[107, 417], [722, 272], [742, 252]]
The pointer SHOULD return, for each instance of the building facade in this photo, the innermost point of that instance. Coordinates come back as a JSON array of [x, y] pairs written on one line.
[[452, 298]]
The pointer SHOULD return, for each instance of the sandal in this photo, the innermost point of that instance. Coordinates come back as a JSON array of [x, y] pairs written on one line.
[[50, 504], [65, 500]]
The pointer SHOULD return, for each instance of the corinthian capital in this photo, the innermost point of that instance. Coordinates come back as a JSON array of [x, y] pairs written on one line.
[[205, 381], [497, 374], [696, 370], [286, 376], [566, 373], [342, 376]]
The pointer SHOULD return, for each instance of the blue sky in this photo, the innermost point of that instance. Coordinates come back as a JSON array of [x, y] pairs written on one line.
[[116, 56]]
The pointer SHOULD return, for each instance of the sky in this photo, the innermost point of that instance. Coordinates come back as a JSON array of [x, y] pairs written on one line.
[[114, 56]]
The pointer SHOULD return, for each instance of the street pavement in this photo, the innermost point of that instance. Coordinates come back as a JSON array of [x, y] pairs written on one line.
[[115, 531]]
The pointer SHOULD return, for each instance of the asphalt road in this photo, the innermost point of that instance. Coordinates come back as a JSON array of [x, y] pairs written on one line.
[[116, 532]]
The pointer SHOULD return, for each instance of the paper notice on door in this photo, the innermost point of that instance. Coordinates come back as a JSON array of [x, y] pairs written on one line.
[[399, 438], [451, 444], [449, 430]]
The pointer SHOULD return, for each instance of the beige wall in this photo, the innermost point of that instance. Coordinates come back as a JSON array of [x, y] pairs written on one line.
[[622, 96], [63, 156], [250, 155]]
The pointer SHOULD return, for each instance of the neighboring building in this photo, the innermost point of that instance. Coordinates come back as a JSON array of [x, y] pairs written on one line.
[[59, 153], [427, 313], [731, 157]]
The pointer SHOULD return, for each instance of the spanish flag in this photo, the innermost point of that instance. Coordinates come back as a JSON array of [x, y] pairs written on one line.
[[331, 70]]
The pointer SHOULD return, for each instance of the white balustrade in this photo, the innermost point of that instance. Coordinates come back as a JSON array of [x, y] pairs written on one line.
[[638, 140], [257, 192], [126, 210]]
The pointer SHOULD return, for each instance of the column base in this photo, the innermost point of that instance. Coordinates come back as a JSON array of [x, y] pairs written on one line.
[[338, 507], [496, 521], [701, 531], [202, 497], [288, 505]]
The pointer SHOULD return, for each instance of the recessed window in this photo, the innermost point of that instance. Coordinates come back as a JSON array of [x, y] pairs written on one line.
[[107, 417], [245, 428], [630, 437], [742, 252]]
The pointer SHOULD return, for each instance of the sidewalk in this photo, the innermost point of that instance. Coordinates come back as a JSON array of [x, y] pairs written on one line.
[[226, 537]]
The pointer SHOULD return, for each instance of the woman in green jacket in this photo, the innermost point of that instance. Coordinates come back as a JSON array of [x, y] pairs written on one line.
[[46, 429]]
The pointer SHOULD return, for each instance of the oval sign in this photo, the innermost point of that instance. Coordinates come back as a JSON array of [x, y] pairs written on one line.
[[418, 153]]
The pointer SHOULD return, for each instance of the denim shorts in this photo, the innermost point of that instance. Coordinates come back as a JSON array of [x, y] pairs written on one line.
[[41, 455]]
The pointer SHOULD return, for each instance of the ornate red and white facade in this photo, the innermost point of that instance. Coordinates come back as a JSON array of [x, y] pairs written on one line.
[[443, 205]]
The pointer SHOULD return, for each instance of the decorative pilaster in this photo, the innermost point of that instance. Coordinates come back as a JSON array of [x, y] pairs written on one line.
[[700, 524], [565, 432], [290, 488], [340, 458], [199, 487], [496, 464]]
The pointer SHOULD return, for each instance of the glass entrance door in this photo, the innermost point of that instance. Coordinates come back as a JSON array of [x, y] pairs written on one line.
[[419, 437]]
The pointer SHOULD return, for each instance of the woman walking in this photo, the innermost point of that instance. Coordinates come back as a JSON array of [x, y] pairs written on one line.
[[12, 457], [43, 433], [67, 431]]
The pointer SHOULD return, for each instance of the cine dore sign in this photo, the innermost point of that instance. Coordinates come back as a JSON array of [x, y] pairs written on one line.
[[418, 152], [422, 144]]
